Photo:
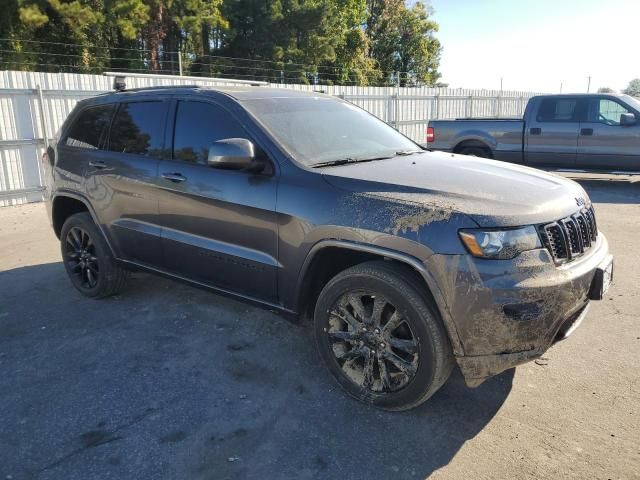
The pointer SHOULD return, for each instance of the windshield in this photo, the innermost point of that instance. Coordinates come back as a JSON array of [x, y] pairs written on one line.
[[317, 130], [632, 102]]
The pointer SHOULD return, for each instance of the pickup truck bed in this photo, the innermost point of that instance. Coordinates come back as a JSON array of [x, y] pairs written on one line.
[[499, 138]]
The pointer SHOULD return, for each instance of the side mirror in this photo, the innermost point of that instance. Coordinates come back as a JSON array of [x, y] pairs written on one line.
[[628, 119], [232, 154]]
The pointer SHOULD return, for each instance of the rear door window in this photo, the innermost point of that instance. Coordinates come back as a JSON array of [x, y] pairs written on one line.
[[89, 129], [559, 110], [138, 128], [198, 126]]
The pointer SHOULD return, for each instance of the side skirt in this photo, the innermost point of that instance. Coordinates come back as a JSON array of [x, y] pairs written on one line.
[[273, 307]]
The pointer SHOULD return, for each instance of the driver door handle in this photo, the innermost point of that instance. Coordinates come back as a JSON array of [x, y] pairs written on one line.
[[586, 131], [174, 177]]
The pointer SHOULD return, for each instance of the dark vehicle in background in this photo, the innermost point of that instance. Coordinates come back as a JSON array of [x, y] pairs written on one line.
[[594, 132], [409, 262]]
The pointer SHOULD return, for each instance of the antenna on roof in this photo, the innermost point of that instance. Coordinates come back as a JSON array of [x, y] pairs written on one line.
[[120, 83]]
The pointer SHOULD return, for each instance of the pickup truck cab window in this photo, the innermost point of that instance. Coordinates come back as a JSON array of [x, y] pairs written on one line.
[[559, 110], [198, 125], [607, 111]]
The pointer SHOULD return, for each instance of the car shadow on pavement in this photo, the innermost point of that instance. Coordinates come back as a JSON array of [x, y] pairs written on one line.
[[170, 381]]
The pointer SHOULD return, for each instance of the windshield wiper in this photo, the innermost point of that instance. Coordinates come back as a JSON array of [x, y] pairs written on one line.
[[403, 153], [333, 163], [344, 161]]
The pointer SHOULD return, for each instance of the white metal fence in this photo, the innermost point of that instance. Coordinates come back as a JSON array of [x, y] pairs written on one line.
[[33, 105]]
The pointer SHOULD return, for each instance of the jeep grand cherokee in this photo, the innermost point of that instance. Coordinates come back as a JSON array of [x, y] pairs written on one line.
[[409, 262]]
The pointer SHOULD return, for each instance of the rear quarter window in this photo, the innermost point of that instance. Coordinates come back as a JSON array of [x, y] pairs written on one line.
[[88, 130]]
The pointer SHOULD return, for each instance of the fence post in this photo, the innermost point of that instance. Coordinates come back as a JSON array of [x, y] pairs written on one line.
[[498, 105], [469, 107], [43, 120], [436, 100], [391, 115], [43, 126]]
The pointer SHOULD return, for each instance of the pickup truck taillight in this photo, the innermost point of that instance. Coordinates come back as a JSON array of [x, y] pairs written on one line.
[[431, 135]]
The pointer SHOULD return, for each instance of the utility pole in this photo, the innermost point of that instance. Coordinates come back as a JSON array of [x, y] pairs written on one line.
[[180, 62], [560, 87], [589, 84]]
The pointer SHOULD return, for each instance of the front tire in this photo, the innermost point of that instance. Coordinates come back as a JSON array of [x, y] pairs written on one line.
[[88, 259], [381, 337]]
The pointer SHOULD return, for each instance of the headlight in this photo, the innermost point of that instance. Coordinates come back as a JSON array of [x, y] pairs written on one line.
[[501, 244]]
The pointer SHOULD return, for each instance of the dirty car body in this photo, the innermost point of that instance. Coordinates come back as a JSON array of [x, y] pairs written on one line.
[[276, 234]]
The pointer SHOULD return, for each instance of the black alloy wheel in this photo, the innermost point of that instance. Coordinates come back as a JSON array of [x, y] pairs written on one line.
[[381, 336], [81, 258], [88, 259], [372, 342]]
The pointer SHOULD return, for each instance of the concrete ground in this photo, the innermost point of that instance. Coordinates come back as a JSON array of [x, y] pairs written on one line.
[[171, 382]]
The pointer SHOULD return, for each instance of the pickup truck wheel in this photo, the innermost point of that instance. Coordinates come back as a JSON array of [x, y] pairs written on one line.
[[476, 152], [87, 258], [381, 337]]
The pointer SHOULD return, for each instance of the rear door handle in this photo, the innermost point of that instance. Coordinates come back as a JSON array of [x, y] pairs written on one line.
[[99, 164], [174, 177], [535, 131], [586, 131]]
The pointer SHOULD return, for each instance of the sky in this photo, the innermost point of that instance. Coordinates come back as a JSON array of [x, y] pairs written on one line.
[[537, 45]]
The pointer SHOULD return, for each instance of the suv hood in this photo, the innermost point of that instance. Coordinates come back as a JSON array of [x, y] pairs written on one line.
[[493, 193]]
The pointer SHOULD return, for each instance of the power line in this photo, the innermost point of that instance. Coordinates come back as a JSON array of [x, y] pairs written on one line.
[[308, 68], [276, 78], [275, 75]]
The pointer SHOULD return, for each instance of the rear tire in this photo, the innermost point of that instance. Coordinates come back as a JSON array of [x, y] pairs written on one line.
[[381, 337], [475, 152], [87, 258]]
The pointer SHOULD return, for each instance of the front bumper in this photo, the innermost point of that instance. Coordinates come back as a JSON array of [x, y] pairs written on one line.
[[508, 312]]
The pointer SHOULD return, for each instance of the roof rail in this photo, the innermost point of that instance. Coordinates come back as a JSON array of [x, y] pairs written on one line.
[[119, 83]]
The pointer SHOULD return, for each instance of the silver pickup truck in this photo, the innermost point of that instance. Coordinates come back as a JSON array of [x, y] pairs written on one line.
[[595, 132]]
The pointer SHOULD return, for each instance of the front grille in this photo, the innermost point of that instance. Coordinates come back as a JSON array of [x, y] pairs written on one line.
[[570, 237]]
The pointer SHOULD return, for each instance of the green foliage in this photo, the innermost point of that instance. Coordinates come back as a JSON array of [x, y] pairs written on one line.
[[403, 42], [362, 42], [633, 88], [606, 90]]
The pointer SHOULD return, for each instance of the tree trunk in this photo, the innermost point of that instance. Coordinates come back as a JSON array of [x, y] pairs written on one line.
[[155, 32]]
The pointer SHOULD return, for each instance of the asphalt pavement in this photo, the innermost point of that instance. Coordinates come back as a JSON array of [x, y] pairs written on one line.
[[167, 381]]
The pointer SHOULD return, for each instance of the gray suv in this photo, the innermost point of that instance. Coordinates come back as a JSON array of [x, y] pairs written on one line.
[[409, 262]]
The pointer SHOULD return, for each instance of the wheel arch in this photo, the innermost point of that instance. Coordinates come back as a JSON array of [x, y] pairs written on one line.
[[64, 204], [473, 143], [316, 272]]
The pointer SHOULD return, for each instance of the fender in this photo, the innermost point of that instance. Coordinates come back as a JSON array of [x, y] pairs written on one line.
[[475, 135], [400, 257], [71, 194]]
